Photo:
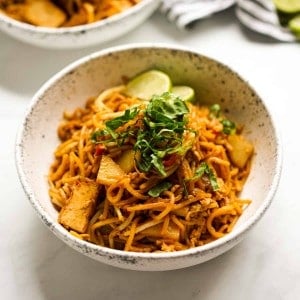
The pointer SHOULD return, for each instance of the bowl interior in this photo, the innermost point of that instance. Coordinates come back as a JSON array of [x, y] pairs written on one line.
[[213, 83]]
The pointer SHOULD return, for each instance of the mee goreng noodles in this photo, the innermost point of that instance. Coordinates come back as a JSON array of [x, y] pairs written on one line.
[[148, 176], [63, 13]]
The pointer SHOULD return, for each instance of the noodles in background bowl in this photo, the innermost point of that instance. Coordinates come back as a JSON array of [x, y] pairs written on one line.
[[63, 13], [163, 175]]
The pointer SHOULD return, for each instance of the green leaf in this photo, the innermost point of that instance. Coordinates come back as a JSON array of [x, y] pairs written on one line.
[[161, 134], [159, 188], [129, 114], [114, 124], [201, 170], [95, 135], [158, 164], [165, 108], [212, 179], [164, 125], [185, 190], [204, 169]]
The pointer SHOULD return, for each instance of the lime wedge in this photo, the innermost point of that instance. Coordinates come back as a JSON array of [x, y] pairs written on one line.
[[287, 6], [147, 84], [184, 92], [294, 25]]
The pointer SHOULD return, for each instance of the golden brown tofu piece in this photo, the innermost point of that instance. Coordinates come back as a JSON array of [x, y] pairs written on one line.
[[109, 171], [77, 212], [126, 161], [241, 151], [172, 232], [43, 13]]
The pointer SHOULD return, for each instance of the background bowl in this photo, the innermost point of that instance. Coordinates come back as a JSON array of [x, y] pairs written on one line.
[[213, 83], [82, 35]]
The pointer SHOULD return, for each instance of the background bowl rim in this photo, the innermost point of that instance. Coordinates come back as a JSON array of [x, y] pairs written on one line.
[[96, 249], [78, 28]]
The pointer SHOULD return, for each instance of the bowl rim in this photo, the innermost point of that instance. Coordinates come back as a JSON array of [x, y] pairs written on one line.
[[63, 234], [78, 28]]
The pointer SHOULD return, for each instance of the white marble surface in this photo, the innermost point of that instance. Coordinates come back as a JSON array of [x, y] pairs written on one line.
[[34, 264]]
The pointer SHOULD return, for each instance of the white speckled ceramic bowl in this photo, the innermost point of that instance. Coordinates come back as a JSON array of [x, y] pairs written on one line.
[[213, 82], [83, 35]]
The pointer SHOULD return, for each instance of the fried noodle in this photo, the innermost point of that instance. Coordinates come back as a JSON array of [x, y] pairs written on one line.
[[124, 216]]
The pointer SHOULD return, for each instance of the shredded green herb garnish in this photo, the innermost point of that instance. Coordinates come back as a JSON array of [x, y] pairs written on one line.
[[129, 114], [185, 190], [159, 188], [163, 125], [204, 169], [114, 124]]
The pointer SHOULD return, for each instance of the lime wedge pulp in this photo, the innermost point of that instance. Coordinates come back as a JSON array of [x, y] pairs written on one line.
[[184, 92], [294, 25], [145, 85], [287, 6]]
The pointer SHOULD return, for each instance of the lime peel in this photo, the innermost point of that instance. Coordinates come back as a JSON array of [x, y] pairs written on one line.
[[186, 93], [287, 6], [147, 84], [294, 25]]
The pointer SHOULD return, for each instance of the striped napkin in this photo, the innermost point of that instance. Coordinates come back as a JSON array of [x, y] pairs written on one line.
[[185, 12], [261, 16], [258, 15]]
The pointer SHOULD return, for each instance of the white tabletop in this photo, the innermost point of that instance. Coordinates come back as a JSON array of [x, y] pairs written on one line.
[[34, 264]]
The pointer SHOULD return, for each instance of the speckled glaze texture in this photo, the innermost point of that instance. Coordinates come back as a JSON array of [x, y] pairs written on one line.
[[213, 83], [83, 35]]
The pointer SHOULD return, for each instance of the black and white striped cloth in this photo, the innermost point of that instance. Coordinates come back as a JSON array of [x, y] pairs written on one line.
[[261, 16], [185, 12], [258, 15]]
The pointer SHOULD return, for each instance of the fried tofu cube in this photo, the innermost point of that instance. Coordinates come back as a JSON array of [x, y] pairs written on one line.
[[109, 171], [242, 150], [44, 13], [77, 212], [172, 232], [126, 161]]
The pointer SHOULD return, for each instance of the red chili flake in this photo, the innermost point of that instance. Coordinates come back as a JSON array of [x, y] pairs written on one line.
[[169, 160], [99, 149], [216, 133]]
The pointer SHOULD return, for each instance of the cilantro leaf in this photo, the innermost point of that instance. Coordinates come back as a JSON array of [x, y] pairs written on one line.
[[164, 125], [95, 135], [213, 179], [201, 170], [165, 108], [114, 124], [159, 134], [204, 169], [158, 164], [159, 188], [129, 114]]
